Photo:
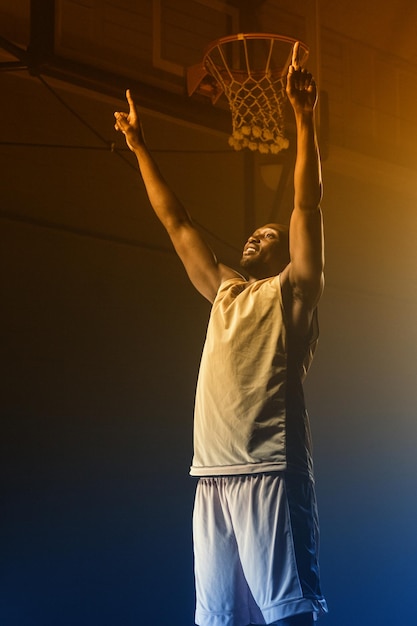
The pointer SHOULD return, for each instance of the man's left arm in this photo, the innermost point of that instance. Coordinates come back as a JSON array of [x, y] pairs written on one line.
[[303, 278]]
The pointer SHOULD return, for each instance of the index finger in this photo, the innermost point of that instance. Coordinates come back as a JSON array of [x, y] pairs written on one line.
[[296, 56], [132, 105]]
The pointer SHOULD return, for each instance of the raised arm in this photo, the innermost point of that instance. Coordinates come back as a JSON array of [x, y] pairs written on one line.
[[304, 274], [201, 265]]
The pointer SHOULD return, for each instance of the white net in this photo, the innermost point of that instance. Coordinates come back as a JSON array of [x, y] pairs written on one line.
[[257, 114]]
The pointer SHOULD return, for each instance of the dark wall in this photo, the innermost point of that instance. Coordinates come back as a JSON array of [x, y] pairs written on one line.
[[100, 351]]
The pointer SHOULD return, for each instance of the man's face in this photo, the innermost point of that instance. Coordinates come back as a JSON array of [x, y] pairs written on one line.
[[263, 253]]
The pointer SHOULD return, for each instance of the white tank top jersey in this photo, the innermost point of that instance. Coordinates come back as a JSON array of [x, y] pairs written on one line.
[[250, 414]]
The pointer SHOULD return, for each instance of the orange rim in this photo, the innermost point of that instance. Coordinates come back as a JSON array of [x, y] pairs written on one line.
[[242, 36]]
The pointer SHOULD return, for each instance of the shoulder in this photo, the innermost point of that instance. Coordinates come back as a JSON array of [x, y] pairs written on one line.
[[299, 309], [227, 276]]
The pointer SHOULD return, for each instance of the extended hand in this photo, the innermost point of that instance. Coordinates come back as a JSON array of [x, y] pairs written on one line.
[[129, 124], [301, 87]]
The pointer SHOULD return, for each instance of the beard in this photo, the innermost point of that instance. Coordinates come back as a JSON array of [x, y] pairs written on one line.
[[247, 261], [258, 267], [252, 264]]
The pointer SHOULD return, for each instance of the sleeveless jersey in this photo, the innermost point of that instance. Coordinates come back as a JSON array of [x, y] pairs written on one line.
[[250, 414]]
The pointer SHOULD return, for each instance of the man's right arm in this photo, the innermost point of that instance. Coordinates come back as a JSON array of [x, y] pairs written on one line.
[[201, 265]]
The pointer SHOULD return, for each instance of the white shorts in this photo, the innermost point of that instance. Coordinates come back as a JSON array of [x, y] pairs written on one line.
[[255, 549]]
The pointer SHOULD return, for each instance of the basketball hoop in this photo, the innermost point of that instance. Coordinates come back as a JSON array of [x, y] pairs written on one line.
[[250, 69]]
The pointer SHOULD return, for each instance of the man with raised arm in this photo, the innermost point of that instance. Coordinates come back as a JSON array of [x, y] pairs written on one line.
[[255, 522]]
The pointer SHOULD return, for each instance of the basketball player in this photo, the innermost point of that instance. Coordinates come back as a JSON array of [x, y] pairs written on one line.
[[255, 520]]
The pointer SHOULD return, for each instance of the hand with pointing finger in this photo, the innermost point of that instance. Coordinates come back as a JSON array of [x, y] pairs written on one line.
[[129, 124], [301, 86]]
